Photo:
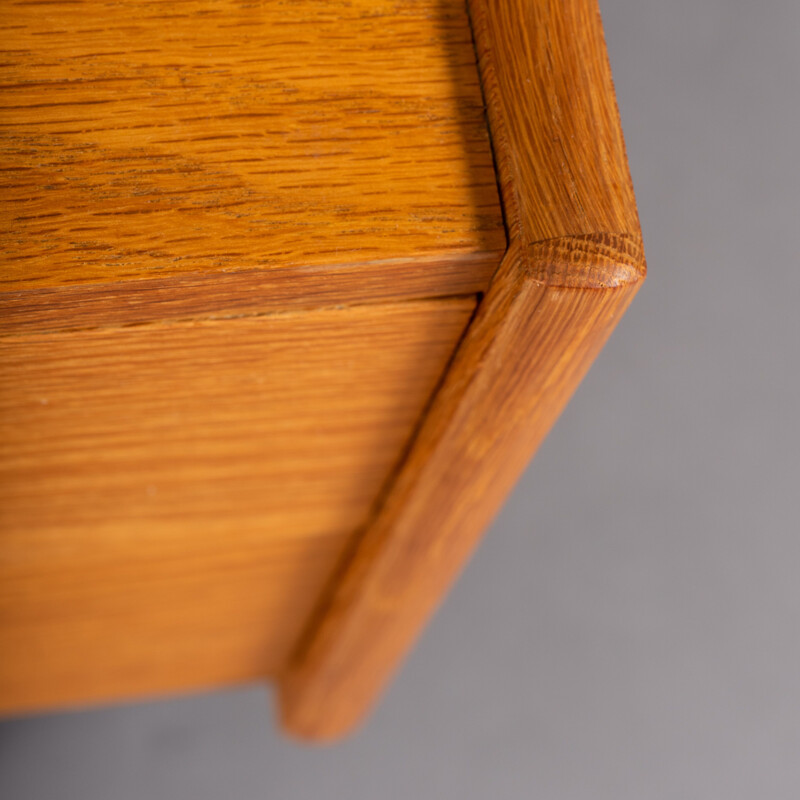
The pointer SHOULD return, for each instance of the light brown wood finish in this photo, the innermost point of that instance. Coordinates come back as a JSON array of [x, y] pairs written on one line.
[[175, 506], [574, 264], [177, 138], [231, 294], [174, 497], [183, 455]]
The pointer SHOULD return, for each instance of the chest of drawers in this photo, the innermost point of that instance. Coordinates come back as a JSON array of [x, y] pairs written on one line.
[[290, 294]]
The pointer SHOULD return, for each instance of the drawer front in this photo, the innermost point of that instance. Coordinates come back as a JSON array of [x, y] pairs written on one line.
[[174, 497]]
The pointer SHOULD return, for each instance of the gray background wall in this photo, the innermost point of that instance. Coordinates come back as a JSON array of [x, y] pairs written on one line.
[[631, 626]]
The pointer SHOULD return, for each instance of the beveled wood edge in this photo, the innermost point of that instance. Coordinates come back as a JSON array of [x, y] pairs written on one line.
[[574, 263], [241, 293]]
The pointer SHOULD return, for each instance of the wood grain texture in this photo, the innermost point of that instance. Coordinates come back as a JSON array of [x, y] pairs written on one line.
[[231, 294], [179, 138], [173, 497], [574, 263]]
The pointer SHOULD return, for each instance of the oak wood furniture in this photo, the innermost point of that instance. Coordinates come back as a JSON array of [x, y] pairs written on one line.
[[273, 346]]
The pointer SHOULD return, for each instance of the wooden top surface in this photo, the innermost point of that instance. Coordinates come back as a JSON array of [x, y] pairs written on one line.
[[170, 137]]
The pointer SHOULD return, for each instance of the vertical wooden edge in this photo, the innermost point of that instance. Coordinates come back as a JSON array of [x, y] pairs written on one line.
[[553, 118], [574, 263]]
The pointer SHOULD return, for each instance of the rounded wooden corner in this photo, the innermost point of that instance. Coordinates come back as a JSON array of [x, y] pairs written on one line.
[[588, 261], [320, 730]]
